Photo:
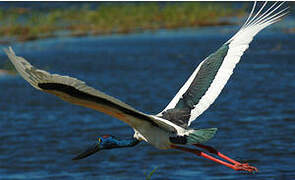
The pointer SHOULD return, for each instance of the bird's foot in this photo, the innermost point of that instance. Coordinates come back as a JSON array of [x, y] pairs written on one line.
[[245, 167]]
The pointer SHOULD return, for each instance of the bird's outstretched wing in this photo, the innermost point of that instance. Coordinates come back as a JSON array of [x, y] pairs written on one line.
[[209, 78], [77, 92]]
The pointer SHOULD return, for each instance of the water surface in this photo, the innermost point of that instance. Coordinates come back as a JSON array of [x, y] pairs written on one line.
[[255, 113]]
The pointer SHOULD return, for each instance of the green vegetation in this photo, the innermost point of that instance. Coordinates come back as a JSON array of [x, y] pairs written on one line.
[[148, 176], [107, 18]]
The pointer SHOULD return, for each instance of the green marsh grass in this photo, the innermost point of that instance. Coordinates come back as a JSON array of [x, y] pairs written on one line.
[[108, 18], [148, 176]]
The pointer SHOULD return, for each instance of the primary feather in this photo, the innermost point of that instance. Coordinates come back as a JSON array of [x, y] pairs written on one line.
[[210, 77], [77, 92]]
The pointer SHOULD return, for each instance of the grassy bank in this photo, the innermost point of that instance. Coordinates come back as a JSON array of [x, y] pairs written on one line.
[[106, 18]]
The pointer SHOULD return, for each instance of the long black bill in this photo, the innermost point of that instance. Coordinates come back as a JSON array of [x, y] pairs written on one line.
[[90, 150]]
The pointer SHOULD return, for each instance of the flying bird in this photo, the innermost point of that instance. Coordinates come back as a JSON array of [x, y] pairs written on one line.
[[168, 129]]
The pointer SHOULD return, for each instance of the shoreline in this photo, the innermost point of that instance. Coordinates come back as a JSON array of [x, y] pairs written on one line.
[[69, 33], [24, 24]]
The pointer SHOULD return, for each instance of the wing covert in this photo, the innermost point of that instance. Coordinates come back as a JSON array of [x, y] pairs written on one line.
[[209, 78], [77, 92]]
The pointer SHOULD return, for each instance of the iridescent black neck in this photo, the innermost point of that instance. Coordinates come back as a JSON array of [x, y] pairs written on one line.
[[113, 142], [107, 142]]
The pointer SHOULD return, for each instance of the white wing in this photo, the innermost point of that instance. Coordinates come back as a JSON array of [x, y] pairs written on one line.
[[77, 92], [209, 78]]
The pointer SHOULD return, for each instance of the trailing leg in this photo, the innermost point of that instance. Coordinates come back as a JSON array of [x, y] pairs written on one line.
[[236, 166]]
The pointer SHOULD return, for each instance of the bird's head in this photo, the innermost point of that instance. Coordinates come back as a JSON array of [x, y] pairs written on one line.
[[103, 142]]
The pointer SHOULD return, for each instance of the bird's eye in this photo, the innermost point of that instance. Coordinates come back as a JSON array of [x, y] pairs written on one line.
[[99, 140]]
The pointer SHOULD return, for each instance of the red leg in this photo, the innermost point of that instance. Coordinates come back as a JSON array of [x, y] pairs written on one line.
[[236, 166], [236, 163], [214, 151]]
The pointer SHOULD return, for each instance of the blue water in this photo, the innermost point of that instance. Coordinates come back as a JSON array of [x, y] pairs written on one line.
[[255, 113]]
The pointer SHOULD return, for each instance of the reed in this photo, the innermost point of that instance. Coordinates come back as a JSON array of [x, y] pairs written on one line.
[[107, 18], [148, 176]]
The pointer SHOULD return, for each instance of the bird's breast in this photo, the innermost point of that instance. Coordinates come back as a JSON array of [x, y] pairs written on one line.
[[153, 135]]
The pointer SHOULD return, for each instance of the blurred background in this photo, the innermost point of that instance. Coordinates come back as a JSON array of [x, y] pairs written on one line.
[[28, 21], [142, 53]]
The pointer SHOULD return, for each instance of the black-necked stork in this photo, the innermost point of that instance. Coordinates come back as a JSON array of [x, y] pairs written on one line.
[[169, 128]]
